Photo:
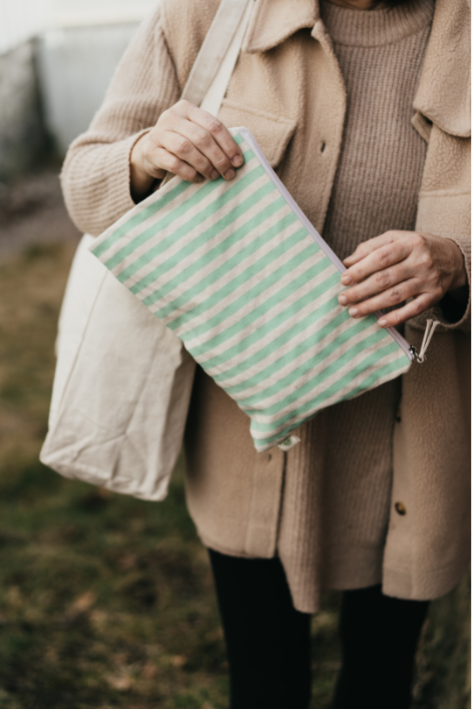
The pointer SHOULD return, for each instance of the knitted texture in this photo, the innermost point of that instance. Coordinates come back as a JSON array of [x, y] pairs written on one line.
[[380, 54]]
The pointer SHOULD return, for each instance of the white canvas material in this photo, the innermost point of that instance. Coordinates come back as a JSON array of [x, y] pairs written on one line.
[[237, 271], [101, 408], [123, 380]]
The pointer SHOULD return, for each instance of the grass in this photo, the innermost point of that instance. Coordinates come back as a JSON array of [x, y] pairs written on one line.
[[107, 601]]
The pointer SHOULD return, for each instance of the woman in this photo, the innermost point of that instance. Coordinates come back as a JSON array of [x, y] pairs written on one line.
[[361, 107]]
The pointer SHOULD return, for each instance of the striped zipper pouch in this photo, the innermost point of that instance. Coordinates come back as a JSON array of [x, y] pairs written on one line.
[[237, 271]]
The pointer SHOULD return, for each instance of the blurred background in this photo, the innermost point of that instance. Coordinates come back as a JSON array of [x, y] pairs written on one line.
[[107, 601]]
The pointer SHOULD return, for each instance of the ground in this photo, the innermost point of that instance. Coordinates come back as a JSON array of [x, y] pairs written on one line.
[[107, 601]]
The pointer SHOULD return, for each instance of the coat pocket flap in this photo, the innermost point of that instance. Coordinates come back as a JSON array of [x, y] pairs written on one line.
[[272, 132]]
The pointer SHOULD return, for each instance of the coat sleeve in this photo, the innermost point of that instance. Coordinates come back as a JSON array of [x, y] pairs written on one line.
[[96, 174], [450, 313]]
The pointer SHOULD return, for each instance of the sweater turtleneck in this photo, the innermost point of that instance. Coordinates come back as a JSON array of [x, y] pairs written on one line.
[[376, 27], [380, 54]]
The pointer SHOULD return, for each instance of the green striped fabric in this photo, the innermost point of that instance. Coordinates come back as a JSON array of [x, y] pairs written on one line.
[[251, 289]]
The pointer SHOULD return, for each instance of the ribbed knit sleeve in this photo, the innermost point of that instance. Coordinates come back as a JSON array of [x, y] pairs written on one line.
[[96, 173]]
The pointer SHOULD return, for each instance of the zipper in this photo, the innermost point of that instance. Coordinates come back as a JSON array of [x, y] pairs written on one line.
[[410, 351]]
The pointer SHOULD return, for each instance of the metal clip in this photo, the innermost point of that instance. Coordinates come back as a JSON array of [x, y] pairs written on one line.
[[420, 356]]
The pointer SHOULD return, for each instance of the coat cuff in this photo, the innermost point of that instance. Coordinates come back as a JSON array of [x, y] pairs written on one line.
[[120, 168], [448, 312]]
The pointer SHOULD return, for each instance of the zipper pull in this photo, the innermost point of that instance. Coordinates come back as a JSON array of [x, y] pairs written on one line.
[[431, 326]]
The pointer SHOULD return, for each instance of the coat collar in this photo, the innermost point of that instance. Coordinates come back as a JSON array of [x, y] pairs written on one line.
[[274, 21], [443, 94]]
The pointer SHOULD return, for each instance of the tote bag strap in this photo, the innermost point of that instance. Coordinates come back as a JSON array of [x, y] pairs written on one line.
[[206, 86], [213, 67]]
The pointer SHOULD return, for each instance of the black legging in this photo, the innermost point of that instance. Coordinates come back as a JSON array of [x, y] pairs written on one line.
[[268, 641]]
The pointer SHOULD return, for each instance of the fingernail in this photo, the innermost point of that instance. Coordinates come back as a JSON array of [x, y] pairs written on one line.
[[214, 174], [382, 323], [229, 174], [347, 280], [342, 299], [237, 160], [353, 312]]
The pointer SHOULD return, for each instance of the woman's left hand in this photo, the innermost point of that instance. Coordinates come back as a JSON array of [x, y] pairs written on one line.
[[399, 265]]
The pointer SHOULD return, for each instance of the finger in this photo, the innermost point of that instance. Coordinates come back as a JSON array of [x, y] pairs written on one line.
[[387, 299], [415, 307], [186, 151], [218, 132], [162, 158], [378, 282], [367, 247], [218, 162], [377, 260]]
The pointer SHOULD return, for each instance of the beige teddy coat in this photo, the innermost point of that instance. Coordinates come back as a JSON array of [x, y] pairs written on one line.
[[427, 549]]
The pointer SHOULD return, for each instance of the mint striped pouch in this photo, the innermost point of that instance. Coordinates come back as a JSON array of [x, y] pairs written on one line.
[[237, 271]]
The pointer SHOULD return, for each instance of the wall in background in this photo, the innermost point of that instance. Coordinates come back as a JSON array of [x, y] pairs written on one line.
[[75, 13], [23, 138], [75, 66], [21, 20], [56, 60]]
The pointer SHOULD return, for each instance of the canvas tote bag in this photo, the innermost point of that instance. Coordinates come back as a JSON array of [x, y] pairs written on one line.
[[239, 273], [123, 380]]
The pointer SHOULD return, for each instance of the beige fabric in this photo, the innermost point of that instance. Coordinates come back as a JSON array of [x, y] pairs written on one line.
[[121, 388], [288, 89]]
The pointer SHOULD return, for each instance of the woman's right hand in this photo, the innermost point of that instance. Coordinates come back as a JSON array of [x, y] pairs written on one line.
[[186, 141]]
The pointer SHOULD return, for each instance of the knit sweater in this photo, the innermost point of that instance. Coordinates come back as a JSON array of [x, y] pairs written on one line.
[[380, 54], [331, 493]]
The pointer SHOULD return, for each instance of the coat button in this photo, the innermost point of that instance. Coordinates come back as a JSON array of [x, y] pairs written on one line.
[[400, 508]]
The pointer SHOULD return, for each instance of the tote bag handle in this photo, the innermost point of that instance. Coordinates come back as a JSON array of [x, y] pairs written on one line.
[[211, 73]]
